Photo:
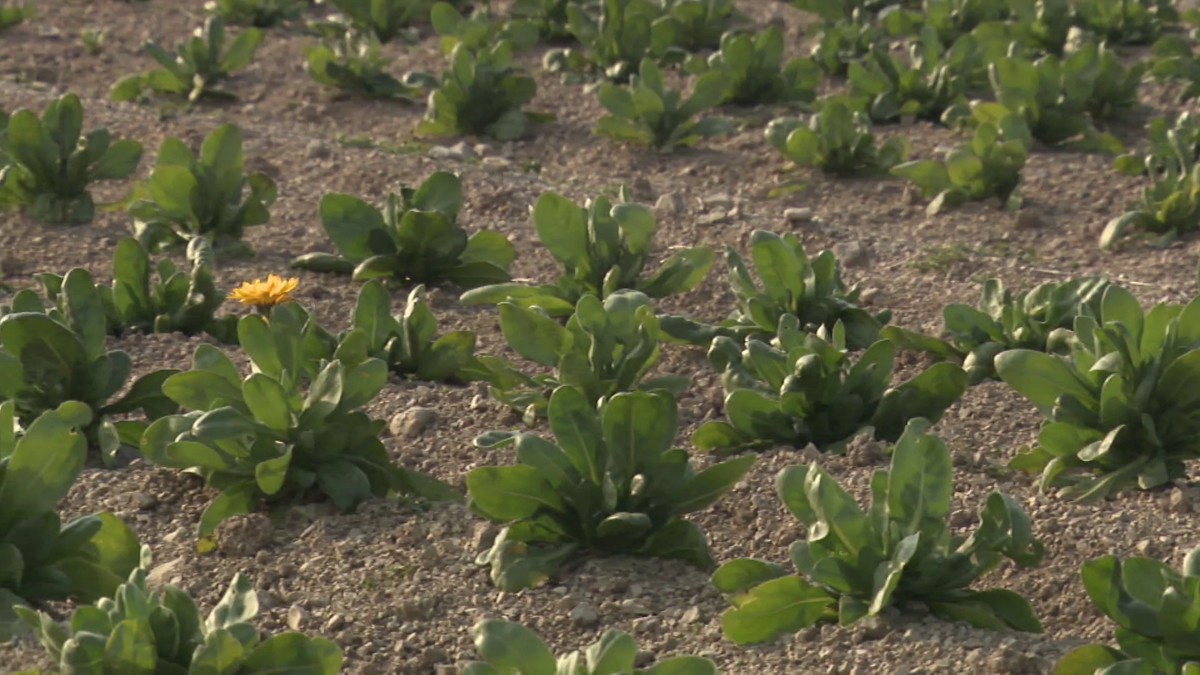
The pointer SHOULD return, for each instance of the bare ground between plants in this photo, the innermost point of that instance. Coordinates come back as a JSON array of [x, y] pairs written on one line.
[[396, 586]]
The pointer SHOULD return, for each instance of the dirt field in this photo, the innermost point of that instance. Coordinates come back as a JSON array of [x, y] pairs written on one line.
[[397, 586]]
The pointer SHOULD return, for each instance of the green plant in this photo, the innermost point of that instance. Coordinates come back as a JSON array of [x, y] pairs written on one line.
[[387, 19], [1170, 205], [1178, 143], [803, 389], [415, 240], [188, 197], [14, 12], [606, 348], [1115, 93], [405, 342], [1005, 321], [950, 19], [50, 162], [548, 16], [481, 94], [1154, 608], [257, 13], [93, 40], [351, 61], [1125, 21], [479, 30], [136, 630], [623, 36], [611, 483], [888, 88], [196, 66], [647, 113], [843, 41], [1121, 409], [44, 559], [811, 289], [701, 24], [833, 10], [1174, 61], [989, 166], [602, 247], [856, 564], [508, 647], [47, 360], [836, 140], [265, 438], [757, 74]]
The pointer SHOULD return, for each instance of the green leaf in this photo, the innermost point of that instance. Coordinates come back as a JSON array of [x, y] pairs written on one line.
[[510, 493], [510, 647], [44, 464], [534, 336], [783, 605], [707, 486], [1041, 377], [268, 401]]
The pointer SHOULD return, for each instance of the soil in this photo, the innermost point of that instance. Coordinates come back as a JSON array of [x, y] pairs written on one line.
[[396, 585]]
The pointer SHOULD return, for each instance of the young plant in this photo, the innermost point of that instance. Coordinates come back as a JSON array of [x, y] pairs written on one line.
[[844, 41], [1004, 321], [1122, 409], [264, 438], [609, 484], [810, 289], [508, 647], [50, 162], [804, 390], [1171, 204], [701, 24], [189, 197], [625, 34], [44, 559], [989, 166], [1155, 609], [548, 16], [602, 247], [856, 564], [415, 240], [14, 12], [387, 19], [1178, 143], [1115, 93], [757, 74], [138, 630], [647, 113], [406, 342], [351, 61], [1175, 61], [1125, 21], [46, 360], [479, 30], [606, 348], [92, 40], [481, 94], [889, 89], [257, 13], [197, 65], [837, 141]]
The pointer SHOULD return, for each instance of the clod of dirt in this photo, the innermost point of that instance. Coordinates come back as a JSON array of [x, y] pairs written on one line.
[[412, 422]]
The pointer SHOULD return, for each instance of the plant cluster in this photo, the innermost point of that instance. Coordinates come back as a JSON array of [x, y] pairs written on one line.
[[482, 93], [837, 141], [351, 61], [480, 29], [387, 19], [856, 563], [647, 113], [756, 72], [196, 66], [416, 239], [623, 35], [257, 13], [1170, 205], [610, 483]]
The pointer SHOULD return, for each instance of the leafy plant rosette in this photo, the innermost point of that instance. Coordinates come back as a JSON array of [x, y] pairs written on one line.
[[1167, 142], [989, 166], [137, 630], [265, 438], [14, 12], [1125, 21], [41, 558], [196, 66], [606, 348], [603, 247], [508, 647], [409, 342], [1003, 321], [888, 89], [188, 196], [1155, 609], [618, 39], [387, 19], [481, 94], [257, 13], [1121, 410], [804, 389], [843, 41], [46, 164], [647, 113], [810, 289], [48, 360], [480, 29], [855, 564], [1170, 205], [609, 484], [416, 239], [836, 140], [352, 61], [756, 70]]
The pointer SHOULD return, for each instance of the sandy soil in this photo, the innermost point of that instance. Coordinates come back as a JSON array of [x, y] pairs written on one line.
[[396, 586]]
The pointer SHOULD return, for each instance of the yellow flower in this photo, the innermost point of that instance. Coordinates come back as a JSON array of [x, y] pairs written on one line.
[[265, 294]]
